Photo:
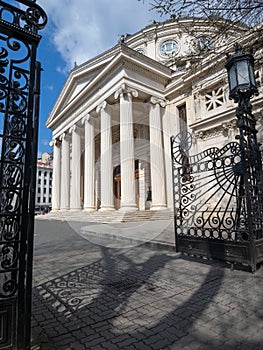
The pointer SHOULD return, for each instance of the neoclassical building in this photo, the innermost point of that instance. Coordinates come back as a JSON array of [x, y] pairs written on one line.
[[114, 117]]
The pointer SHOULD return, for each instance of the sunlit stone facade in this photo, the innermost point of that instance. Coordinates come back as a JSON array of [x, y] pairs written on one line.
[[114, 117]]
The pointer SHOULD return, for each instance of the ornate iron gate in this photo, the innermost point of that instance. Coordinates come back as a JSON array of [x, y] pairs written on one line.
[[218, 198], [19, 104]]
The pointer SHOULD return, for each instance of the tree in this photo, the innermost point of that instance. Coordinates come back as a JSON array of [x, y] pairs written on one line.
[[223, 16], [249, 12]]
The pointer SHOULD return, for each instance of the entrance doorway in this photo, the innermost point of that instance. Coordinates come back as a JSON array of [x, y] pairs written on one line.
[[117, 185]]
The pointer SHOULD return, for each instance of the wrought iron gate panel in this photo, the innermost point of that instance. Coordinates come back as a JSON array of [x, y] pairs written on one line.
[[216, 193], [19, 99]]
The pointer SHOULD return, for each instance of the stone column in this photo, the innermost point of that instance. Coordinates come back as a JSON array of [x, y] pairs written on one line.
[[128, 200], [75, 169], [157, 156], [89, 164], [167, 158], [65, 173], [107, 201]]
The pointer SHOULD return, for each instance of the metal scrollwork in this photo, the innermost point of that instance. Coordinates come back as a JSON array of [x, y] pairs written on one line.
[[31, 19], [212, 190], [208, 184], [19, 105]]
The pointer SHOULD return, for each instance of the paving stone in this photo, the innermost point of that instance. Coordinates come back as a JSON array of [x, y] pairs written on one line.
[[175, 303], [142, 346]]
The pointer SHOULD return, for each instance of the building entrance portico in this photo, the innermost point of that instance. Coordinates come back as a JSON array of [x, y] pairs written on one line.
[[112, 158], [110, 153]]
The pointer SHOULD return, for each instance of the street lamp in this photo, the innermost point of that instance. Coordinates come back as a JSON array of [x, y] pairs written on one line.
[[242, 86], [241, 77]]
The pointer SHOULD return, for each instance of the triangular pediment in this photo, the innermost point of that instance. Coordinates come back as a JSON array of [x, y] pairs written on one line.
[[91, 77], [76, 82], [79, 78]]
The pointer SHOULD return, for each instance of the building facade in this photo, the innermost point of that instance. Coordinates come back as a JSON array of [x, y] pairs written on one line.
[[44, 183], [114, 117]]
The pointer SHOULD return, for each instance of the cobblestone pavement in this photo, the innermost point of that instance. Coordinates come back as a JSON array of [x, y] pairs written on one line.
[[88, 296]]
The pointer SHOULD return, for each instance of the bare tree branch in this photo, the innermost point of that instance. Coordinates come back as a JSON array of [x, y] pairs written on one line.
[[250, 12], [224, 16]]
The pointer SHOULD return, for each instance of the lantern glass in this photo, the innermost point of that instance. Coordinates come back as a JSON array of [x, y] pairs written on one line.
[[232, 77], [243, 73], [252, 75], [241, 76]]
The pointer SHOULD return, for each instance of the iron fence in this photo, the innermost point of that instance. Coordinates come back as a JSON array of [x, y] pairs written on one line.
[[19, 109]]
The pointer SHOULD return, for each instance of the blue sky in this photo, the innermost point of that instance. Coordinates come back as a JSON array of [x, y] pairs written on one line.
[[78, 30]]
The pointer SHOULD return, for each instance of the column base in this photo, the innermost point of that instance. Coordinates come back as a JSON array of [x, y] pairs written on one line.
[[89, 209], [54, 210], [158, 207], [128, 207], [107, 208], [75, 209]]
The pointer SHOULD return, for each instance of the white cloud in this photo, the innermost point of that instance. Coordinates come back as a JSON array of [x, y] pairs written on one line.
[[49, 87], [45, 142], [82, 29]]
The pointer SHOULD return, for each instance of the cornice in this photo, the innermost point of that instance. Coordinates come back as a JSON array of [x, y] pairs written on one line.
[[213, 121], [145, 72], [180, 25]]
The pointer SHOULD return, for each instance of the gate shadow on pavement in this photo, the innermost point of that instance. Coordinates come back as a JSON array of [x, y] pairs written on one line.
[[115, 303]]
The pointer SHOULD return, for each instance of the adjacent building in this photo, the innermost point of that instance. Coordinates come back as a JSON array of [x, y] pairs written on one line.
[[114, 117], [44, 183]]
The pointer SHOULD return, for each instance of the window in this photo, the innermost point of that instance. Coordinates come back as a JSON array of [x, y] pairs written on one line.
[[214, 98], [39, 173], [182, 119], [38, 199], [186, 169], [45, 182], [44, 200], [45, 190], [50, 191], [45, 173], [169, 48], [38, 190], [39, 181]]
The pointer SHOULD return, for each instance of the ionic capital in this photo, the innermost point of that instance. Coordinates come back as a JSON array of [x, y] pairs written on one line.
[[157, 101], [64, 136], [54, 142], [74, 128], [89, 118], [124, 89], [101, 107]]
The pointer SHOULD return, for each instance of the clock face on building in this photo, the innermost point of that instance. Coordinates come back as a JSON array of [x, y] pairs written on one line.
[[169, 48]]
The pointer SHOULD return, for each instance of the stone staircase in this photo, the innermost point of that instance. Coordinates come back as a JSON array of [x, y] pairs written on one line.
[[110, 216]]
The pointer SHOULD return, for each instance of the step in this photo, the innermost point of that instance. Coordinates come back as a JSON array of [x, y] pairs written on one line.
[[111, 216]]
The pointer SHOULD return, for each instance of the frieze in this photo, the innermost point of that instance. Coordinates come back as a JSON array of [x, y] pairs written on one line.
[[221, 130], [145, 72]]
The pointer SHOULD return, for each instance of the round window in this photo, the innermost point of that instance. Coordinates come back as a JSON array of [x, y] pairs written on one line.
[[169, 48]]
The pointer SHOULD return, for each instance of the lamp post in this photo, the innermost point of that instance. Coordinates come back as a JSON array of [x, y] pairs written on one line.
[[241, 77], [242, 86]]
